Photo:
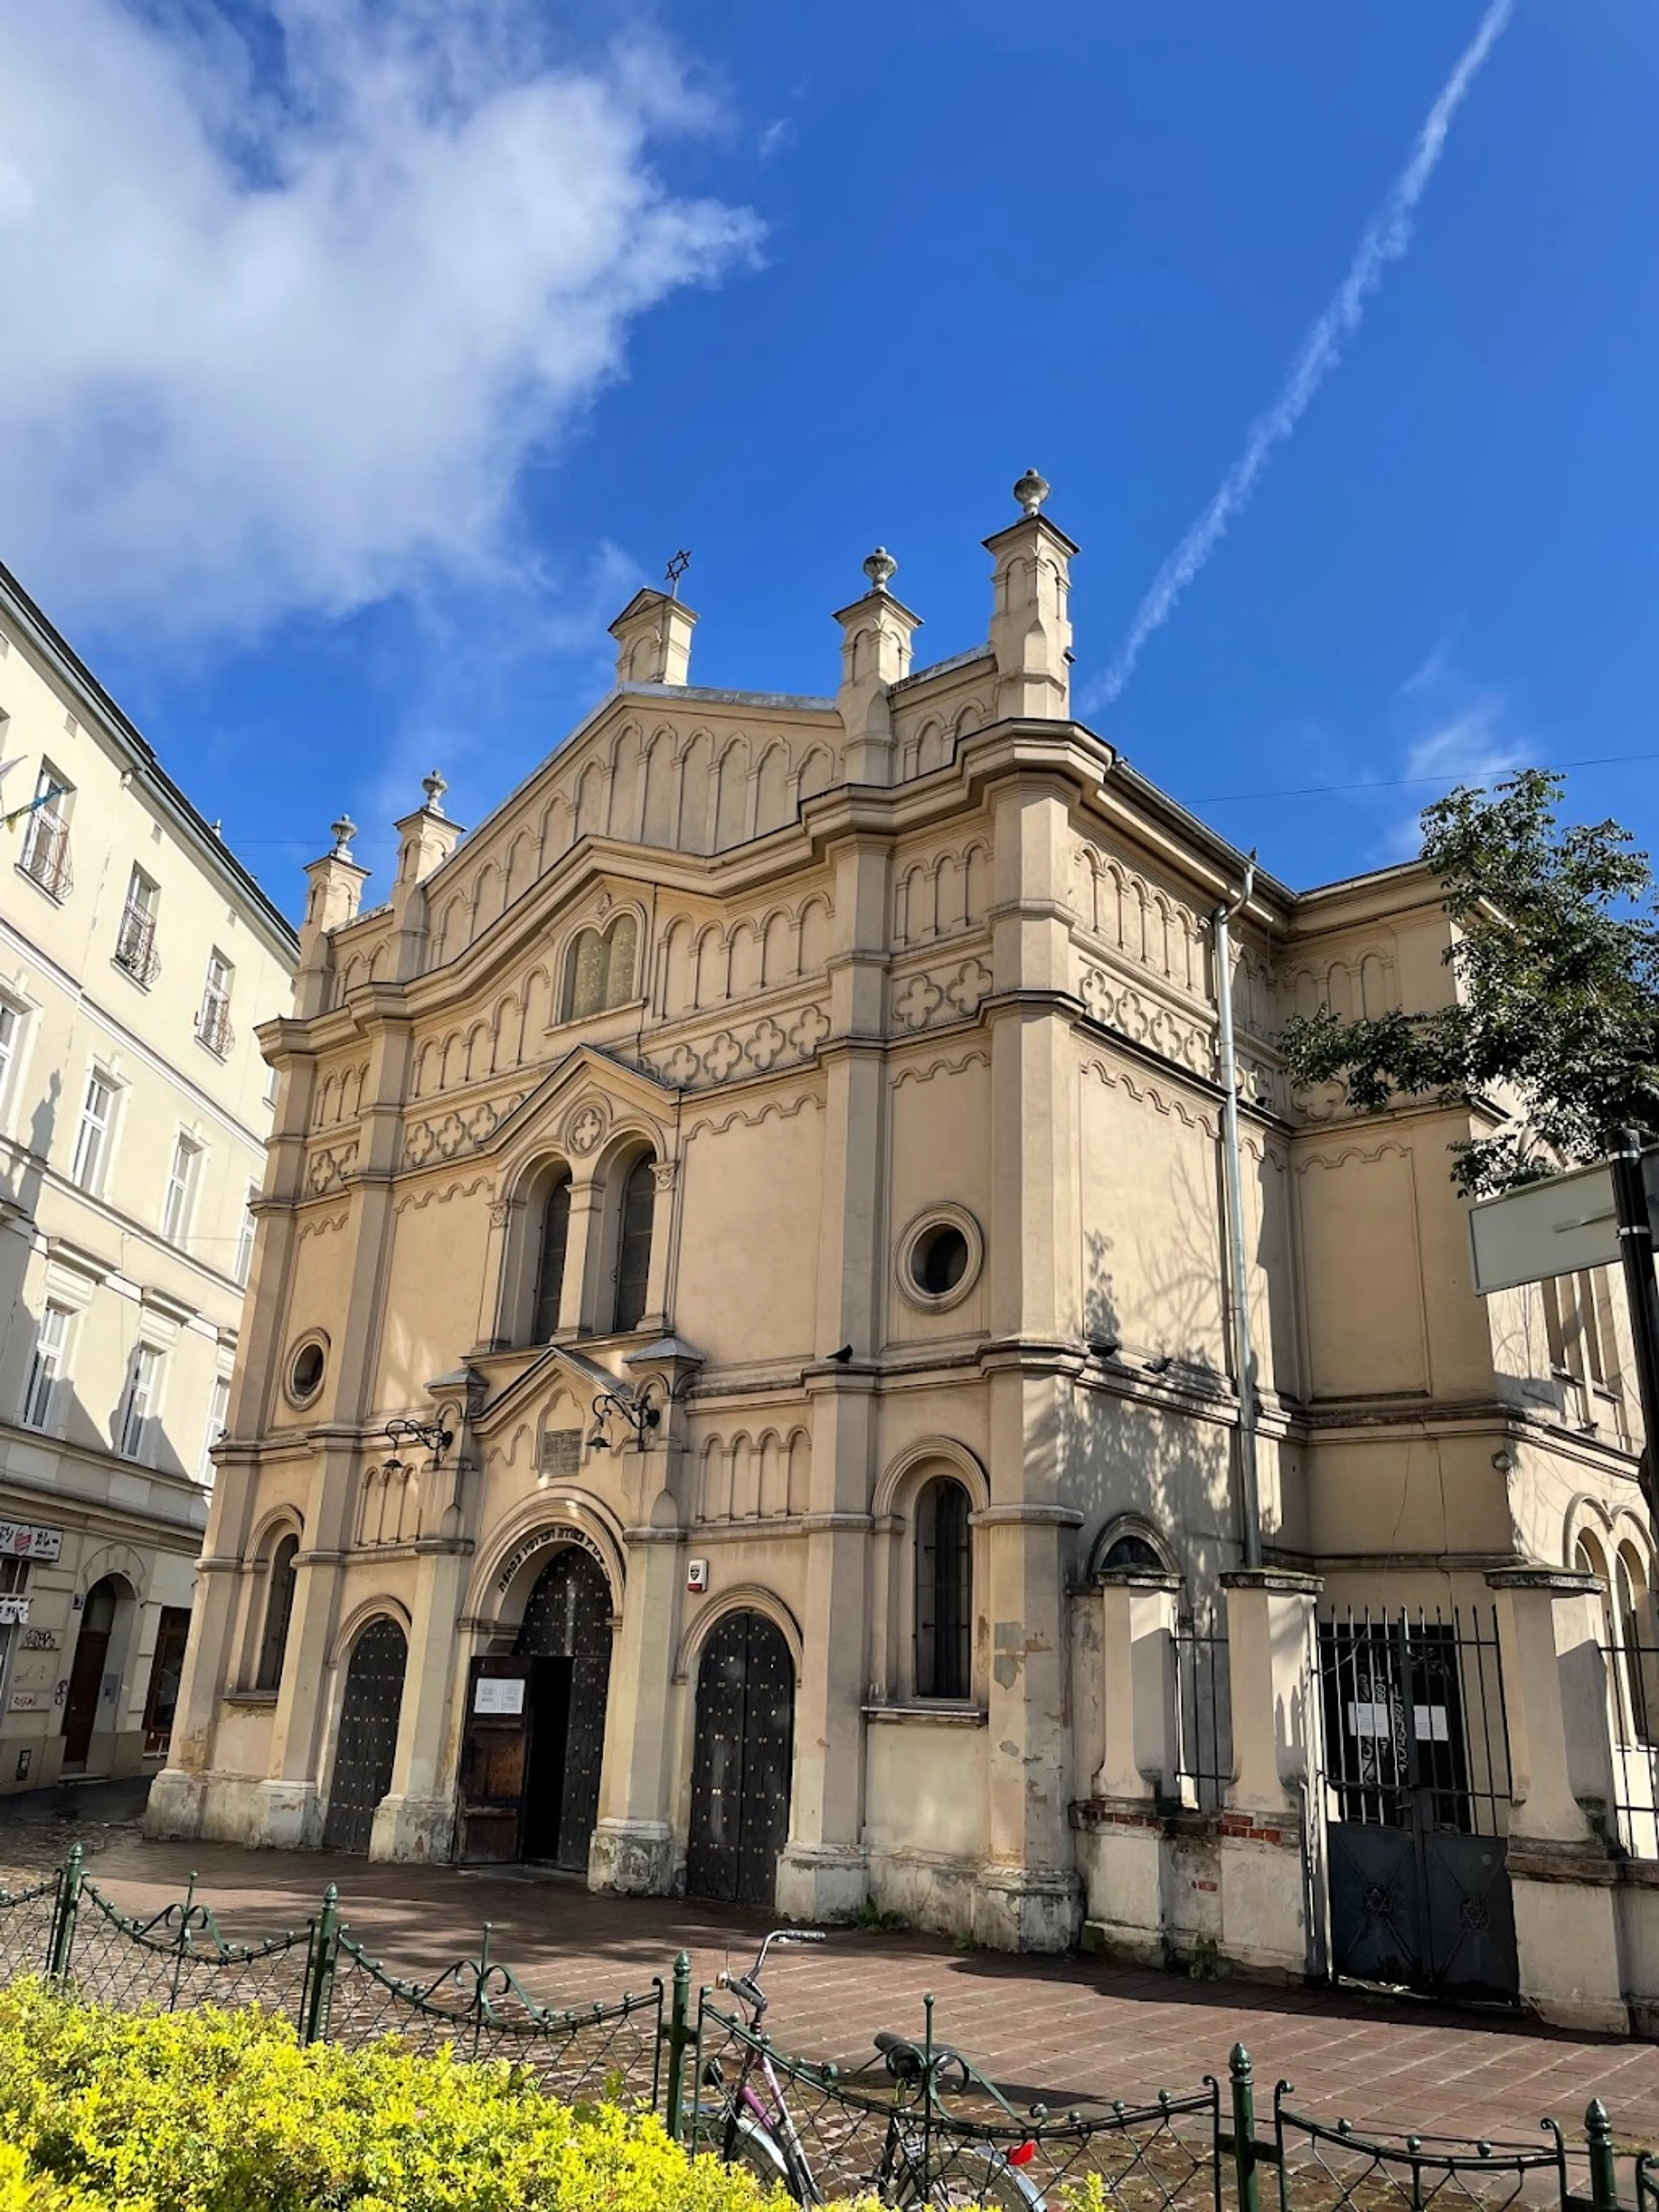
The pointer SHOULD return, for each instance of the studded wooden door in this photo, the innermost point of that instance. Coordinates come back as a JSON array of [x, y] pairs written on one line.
[[566, 1634], [740, 1770], [368, 1735]]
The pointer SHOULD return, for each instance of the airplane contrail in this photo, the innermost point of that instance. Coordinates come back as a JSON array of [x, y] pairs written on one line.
[[1386, 238]]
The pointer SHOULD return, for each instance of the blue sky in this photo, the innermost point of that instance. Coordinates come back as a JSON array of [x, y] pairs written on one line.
[[363, 355]]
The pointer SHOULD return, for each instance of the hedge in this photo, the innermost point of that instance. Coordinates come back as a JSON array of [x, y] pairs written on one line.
[[224, 2112]]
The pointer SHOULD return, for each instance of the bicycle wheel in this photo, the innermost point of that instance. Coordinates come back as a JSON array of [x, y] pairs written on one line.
[[751, 2145], [971, 2173]]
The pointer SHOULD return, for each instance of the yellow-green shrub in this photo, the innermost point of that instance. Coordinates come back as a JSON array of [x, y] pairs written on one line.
[[217, 2111]]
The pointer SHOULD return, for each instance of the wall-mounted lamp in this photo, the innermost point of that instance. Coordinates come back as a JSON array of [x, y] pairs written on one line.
[[642, 1409], [431, 1435]]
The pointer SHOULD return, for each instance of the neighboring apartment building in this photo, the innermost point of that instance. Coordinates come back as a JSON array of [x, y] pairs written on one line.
[[775, 1164], [137, 957]]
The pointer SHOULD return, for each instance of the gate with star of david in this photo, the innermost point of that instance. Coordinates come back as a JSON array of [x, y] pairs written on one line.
[[1416, 1790]]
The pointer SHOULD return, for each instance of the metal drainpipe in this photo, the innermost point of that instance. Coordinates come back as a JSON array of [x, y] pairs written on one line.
[[1238, 1304]]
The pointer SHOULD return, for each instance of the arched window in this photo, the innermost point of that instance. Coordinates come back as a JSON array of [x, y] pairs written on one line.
[[550, 1269], [279, 1609], [1640, 1655], [639, 1206], [944, 1591], [599, 972], [1131, 1550]]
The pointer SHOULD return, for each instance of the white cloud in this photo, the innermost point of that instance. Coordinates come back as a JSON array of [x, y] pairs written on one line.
[[280, 332], [1454, 732]]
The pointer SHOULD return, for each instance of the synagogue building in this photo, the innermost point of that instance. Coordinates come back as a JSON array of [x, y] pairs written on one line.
[[744, 1389]]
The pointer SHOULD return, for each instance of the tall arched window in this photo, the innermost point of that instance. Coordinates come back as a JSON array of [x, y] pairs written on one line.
[[550, 1268], [944, 1591], [639, 1206], [599, 972], [279, 1610]]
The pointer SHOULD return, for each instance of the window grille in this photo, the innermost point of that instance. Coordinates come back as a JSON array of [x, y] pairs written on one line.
[[45, 854], [213, 1022], [135, 938], [944, 1591]]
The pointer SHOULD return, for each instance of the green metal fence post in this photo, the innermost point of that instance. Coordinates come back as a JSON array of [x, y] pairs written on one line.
[[1241, 2074], [63, 1924], [319, 1973], [677, 2036], [1603, 2172]]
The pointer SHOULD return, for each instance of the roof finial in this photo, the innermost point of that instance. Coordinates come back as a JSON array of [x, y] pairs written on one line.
[[434, 787], [1031, 490], [880, 568], [676, 569], [343, 832]]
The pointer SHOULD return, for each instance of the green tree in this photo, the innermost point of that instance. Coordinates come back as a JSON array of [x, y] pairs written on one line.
[[1556, 1026]]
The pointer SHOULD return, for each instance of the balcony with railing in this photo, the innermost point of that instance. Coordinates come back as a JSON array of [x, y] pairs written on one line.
[[135, 946], [213, 1027], [46, 855]]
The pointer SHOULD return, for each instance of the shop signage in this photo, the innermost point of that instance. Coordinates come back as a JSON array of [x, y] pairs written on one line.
[[13, 1611], [18, 1540]]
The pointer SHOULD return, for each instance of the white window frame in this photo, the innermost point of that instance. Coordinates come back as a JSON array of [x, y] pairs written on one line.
[[12, 1019], [218, 1416], [135, 933], [89, 1167], [44, 859], [213, 1019], [48, 1368], [184, 1181], [242, 1265], [140, 1417]]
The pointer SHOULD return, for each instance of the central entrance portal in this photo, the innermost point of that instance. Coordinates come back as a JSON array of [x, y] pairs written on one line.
[[535, 1726]]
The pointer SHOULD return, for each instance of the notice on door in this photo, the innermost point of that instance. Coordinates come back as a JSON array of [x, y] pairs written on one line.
[[498, 1697]]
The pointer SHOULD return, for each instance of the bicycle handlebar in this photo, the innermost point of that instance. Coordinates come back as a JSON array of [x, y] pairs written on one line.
[[747, 1986]]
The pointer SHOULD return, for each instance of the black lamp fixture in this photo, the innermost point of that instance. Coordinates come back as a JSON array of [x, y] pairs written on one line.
[[431, 1435], [642, 1409]]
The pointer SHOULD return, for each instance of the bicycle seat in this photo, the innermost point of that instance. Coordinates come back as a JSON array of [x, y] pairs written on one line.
[[907, 2060]]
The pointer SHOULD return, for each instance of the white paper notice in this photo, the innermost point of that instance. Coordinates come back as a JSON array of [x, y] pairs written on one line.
[[499, 1697]]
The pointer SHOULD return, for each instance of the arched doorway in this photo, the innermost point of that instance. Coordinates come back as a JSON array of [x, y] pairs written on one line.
[[535, 1731], [740, 1770], [91, 1672], [368, 1744]]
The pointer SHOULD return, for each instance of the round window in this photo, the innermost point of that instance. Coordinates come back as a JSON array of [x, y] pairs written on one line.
[[939, 1257], [940, 1260], [305, 1377]]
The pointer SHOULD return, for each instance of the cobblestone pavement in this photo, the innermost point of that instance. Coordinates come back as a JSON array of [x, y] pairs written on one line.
[[1065, 2030]]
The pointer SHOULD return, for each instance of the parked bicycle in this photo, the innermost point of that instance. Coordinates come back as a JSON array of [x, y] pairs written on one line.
[[921, 2163]]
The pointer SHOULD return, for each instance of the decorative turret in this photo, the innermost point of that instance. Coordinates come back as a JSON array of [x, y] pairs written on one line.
[[1030, 628], [335, 889], [425, 840], [653, 640], [875, 655]]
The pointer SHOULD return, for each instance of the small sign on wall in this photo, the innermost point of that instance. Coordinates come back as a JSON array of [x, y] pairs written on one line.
[[696, 1576], [499, 1696], [562, 1451]]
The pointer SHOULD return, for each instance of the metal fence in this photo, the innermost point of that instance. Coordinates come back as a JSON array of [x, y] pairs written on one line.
[[324, 1980], [920, 2125]]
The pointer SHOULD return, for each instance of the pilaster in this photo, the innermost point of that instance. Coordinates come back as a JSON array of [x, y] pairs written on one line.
[[1273, 1692], [416, 1820]]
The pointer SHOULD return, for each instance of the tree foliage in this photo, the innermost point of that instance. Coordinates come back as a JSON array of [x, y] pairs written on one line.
[[1555, 1026]]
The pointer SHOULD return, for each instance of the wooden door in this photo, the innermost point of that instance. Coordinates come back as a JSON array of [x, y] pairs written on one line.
[[81, 1707], [741, 1767], [367, 1745], [494, 1750]]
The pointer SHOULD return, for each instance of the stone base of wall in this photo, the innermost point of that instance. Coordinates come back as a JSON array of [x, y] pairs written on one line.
[[220, 1808], [413, 1829], [930, 1889], [635, 1858], [823, 1882], [1027, 1908], [1209, 1892], [1569, 1919]]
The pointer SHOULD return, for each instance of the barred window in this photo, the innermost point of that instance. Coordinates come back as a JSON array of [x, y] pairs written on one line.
[[944, 1591]]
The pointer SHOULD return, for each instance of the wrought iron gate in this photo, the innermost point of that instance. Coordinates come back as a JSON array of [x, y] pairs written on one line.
[[368, 1735], [741, 1771], [1417, 1790]]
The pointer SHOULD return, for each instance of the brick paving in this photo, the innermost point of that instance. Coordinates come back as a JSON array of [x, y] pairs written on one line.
[[1068, 2030]]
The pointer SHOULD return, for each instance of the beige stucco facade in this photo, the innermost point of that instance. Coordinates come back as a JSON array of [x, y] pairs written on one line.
[[907, 996], [124, 1231]]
